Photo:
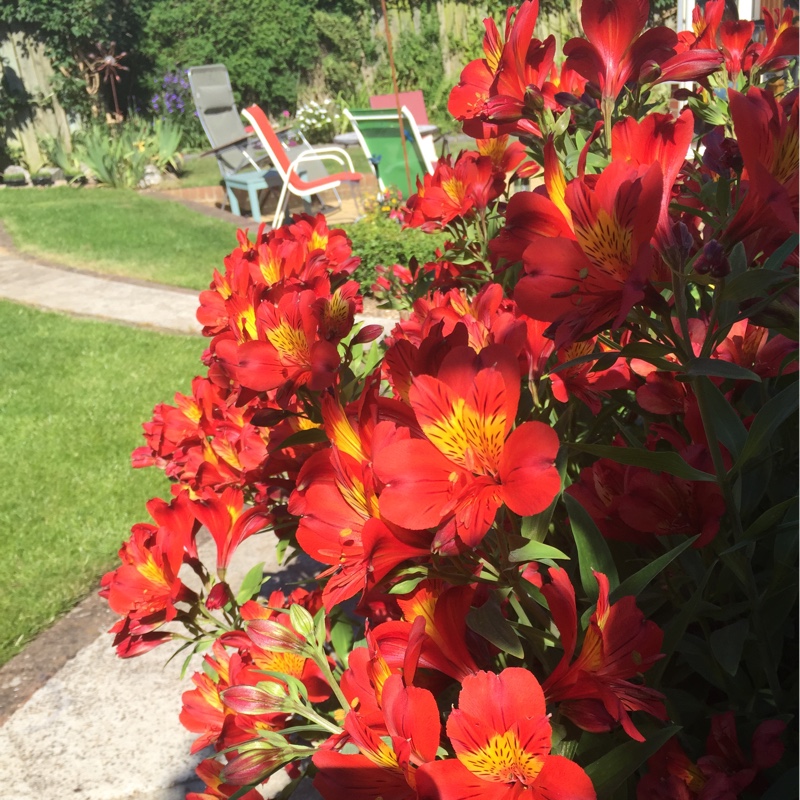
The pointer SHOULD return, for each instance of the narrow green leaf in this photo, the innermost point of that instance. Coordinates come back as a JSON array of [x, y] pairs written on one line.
[[535, 551], [562, 122], [406, 586], [251, 584], [308, 436], [342, 639], [612, 769], [675, 629], [488, 621], [751, 284], [593, 552], [785, 786], [719, 369], [657, 461], [634, 584], [727, 424], [727, 644], [769, 519], [778, 258], [772, 414]]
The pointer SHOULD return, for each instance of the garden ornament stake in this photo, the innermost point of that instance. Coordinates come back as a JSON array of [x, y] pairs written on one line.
[[398, 104], [107, 64]]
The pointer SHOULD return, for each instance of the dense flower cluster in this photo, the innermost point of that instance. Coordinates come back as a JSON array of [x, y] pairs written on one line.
[[554, 508]]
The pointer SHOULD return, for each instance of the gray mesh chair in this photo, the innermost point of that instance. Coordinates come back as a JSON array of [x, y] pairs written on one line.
[[243, 164]]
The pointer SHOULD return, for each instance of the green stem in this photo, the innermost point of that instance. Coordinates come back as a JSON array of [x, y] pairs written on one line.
[[719, 463], [321, 660]]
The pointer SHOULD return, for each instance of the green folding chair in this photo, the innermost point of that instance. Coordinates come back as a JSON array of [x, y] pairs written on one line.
[[379, 134]]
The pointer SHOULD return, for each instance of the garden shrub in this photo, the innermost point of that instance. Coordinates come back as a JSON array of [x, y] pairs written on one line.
[[268, 46], [380, 241]]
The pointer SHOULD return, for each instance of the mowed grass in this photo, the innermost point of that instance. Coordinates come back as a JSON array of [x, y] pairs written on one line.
[[118, 232], [72, 399]]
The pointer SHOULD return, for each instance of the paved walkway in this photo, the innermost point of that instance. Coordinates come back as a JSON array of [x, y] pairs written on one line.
[[76, 721]]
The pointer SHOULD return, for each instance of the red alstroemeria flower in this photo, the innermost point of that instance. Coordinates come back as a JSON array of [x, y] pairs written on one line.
[[616, 44], [146, 586], [454, 190], [468, 98], [515, 97], [723, 772], [501, 736], [471, 462], [783, 40], [595, 691], [442, 641], [210, 772], [581, 381], [767, 133], [658, 138], [290, 352], [587, 281], [337, 500], [229, 522], [735, 37], [380, 768]]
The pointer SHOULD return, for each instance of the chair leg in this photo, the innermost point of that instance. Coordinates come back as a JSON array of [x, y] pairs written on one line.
[[234, 202], [280, 209], [255, 209]]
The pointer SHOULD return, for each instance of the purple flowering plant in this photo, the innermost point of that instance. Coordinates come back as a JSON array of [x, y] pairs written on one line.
[[172, 100]]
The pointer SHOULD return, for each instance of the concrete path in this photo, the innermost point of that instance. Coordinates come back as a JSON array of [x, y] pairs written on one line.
[[76, 721]]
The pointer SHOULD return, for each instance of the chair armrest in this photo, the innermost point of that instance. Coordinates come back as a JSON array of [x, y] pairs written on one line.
[[314, 155], [339, 152], [232, 143]]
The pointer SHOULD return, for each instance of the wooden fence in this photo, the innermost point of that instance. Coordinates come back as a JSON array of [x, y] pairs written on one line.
[[28, 74]]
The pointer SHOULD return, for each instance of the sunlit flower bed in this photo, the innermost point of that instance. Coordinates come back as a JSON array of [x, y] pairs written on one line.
[[555, 510]]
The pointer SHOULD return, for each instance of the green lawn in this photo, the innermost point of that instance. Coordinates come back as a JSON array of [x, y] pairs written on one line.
[[117, 231], [200, 172], [72, 399]]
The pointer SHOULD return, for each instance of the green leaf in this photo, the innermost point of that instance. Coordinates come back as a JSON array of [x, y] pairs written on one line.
[[535, 551], [778, 258], [772, 414], [769, 519], [675, 629], [488, 621], [719, 369], [657, 461], [785, 786], [561, 124], [406, 586], [634, 584], [612, 769], [593, 552], [342, 639], [251, 584], [751, 284], [728, 426], [308, 436], [738, 256], [727, 644]]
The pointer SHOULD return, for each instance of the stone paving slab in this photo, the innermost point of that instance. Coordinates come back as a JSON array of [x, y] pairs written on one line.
[[106, 728], [79, 293]]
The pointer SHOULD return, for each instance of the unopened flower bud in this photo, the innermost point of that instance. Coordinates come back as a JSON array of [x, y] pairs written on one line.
[[302, 621], [683, 238], [218, 597], [712, 261], [649, 73], [534, 101], [272, 636], [255, 700]]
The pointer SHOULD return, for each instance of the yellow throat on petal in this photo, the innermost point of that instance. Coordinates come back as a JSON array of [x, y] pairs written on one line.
[[503, 760]]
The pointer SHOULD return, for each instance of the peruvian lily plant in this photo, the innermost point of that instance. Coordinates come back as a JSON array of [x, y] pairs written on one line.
[[554, 512]]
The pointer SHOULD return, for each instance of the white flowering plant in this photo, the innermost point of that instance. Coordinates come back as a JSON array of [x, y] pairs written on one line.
[[318, 120]]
